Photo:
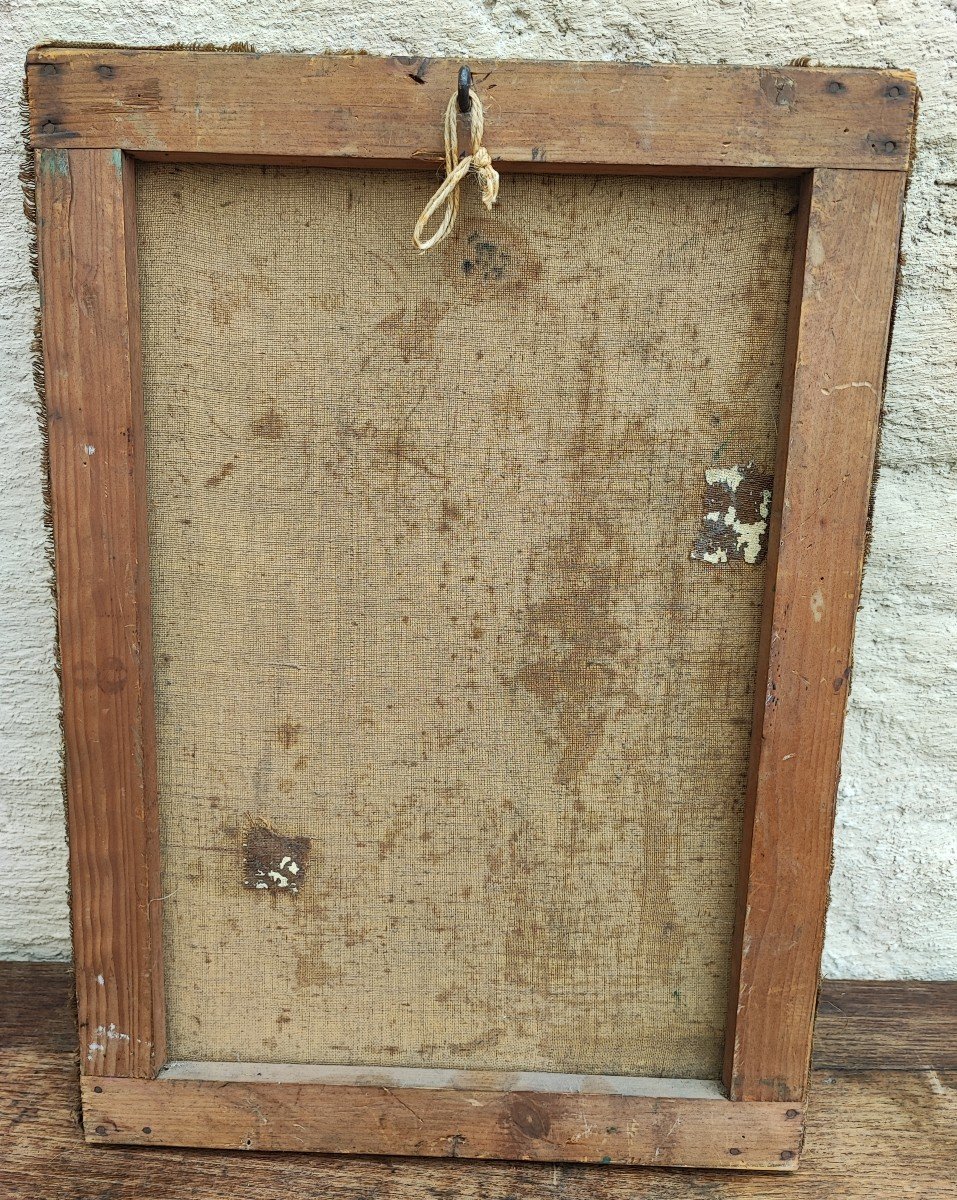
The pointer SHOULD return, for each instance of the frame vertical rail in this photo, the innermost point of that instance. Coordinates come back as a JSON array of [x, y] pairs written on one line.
[[90, 298], [846, 264]]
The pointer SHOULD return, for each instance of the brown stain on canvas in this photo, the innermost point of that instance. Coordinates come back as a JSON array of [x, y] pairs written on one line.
[[579, 658], [312, 971], [393, 447], [288, 734], [221, 475], [581, 671], [511, 407], [414, 329], [270, 426], [451, 513], [578, 641], [498, 256]]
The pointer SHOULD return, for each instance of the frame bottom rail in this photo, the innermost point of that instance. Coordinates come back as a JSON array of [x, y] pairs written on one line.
[[374, 1118]]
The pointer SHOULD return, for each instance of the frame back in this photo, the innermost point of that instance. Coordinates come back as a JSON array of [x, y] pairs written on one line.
[[411, 609]]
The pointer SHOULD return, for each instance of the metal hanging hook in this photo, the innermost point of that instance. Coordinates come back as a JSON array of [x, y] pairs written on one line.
[[465, 87]]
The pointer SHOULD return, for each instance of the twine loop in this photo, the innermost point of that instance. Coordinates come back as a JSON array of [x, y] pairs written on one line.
[[456, 168]]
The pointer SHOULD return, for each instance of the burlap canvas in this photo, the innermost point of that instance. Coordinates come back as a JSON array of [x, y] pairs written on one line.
[[425, 610]]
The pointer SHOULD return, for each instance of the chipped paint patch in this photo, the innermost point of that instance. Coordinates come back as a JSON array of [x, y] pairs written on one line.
[[273, 862], [817, 605], [55, 162], [736, 510]]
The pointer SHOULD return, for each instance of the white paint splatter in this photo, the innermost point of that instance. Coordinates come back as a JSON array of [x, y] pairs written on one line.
[[817, 605], [109, 1033], [731, 477]]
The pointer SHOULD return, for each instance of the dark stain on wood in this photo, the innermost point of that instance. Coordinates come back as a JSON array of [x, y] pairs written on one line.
[[273, 862], [419, 74], [111, 676], [530, 1116], [779, 89]]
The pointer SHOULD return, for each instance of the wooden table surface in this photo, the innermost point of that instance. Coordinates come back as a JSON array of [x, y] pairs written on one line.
[[882, 1122]]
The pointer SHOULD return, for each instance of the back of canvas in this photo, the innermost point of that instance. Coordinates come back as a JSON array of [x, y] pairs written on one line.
[[454, 651]]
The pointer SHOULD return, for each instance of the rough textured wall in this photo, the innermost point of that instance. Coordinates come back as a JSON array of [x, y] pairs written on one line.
[[894, 908]]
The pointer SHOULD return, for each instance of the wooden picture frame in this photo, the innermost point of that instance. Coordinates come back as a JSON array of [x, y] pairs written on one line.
[[848, 135]]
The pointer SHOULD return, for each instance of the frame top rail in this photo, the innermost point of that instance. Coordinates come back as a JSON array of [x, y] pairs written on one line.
[[560, 116]]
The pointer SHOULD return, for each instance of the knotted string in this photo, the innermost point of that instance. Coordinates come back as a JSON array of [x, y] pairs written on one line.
[[456, 169]]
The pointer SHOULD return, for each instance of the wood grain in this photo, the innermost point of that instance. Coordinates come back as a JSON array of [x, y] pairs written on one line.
[[867, 1024], [443, 1122], [870, 1134], [838, 346], [91, 359], [363, 109]]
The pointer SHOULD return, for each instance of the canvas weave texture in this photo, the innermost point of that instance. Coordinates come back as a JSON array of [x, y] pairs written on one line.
[[452, 729]]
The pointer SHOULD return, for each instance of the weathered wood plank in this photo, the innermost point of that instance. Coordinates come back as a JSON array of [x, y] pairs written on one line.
[[868, 1024], [443, 1122], [90, 318], [347, 107], [845, 272], [37, 1007]]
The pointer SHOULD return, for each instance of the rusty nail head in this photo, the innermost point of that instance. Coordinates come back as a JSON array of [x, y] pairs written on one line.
[[48, 127], [48, 69], [835, 86], [100, 1131], [890, 147], [105, 72], [894, 91]]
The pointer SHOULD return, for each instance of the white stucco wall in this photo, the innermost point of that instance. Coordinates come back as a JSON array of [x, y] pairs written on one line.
[[894, 907]]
